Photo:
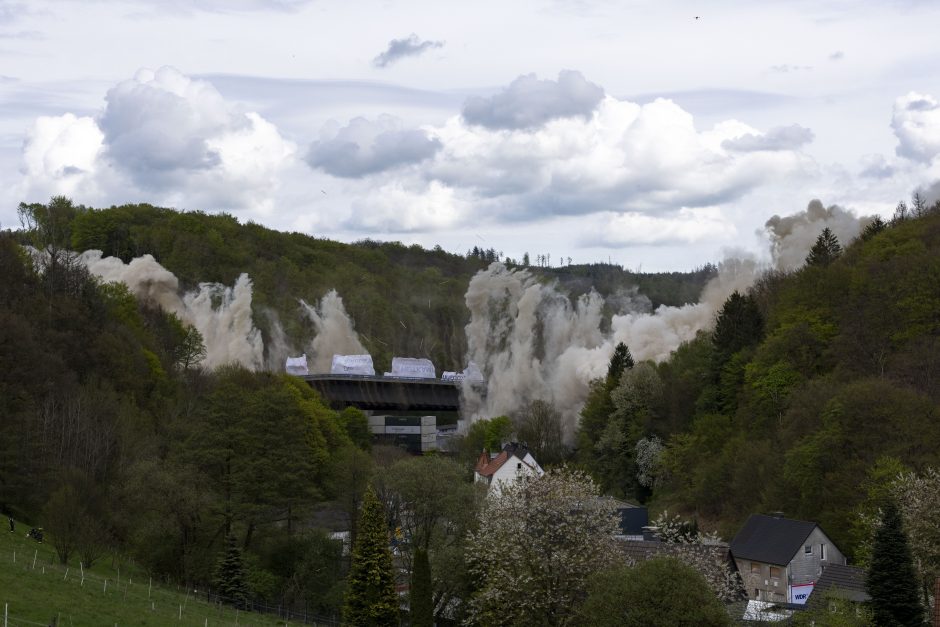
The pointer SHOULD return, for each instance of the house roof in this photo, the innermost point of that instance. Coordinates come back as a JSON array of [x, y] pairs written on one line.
[[845, 582], [770, 539], [486, 467]]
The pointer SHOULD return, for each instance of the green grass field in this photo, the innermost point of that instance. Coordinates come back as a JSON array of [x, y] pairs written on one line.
[[37, 590]]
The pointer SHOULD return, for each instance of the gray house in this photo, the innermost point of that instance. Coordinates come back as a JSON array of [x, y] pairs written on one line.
[[780, 560]]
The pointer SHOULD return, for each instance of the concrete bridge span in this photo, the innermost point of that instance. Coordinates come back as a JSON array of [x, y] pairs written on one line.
[[386, 393]]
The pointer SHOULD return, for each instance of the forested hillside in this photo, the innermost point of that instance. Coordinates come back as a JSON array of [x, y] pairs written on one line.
[[404, 300], [814, 390], [118, 444]]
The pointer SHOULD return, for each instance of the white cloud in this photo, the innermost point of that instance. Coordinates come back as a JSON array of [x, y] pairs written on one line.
[[916, 123], [398, 49], [60, 154], [624, 158], [364, 147], [779, 138], [528, 102], [164, 137], [686, 226]]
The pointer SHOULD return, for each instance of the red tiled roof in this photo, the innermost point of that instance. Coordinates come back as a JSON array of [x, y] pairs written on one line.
[[486, 467]]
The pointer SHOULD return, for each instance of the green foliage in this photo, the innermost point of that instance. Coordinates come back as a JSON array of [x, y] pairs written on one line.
[[230, 579], [419, 597], [826, 249], [660, 592], [370, 593], [485, 434], [621, 360], [356, 424], [833, 611], [891, 580]]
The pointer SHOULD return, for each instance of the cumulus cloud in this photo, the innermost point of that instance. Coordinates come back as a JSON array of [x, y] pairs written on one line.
[[364, 147], [398, 49], [876, 167], [60, 153], [169, 136], [624, 158], [916, 124], [790, 137], [686, 226], [529, 102]]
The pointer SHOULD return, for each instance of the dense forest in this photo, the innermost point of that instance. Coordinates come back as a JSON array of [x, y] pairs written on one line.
[[815, 389], [405, 300], [116, 442]]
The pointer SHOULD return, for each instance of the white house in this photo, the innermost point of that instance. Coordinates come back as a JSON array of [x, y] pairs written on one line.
[[513, 461]]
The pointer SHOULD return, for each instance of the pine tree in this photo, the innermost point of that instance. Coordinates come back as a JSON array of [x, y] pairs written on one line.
[[370, 587], [891, 581], [620, 361], [230, 574], [422, 605], [825, 250], [874, 227]]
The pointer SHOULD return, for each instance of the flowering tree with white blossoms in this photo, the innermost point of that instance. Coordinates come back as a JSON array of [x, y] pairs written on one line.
[[537, 543], [918, 498], [701, 552]]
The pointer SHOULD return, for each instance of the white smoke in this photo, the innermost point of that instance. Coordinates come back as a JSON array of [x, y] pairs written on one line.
[[335, 334], [221, 314], [791, 237], [533, 343]]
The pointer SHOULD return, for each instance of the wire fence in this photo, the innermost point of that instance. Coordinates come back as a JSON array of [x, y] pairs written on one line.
[[144, 599]]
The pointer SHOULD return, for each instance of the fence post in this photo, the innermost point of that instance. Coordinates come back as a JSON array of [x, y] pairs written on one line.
[[6, 607], [35, 553]]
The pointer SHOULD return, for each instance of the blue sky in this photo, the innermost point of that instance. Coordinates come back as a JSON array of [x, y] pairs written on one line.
[[595, 130]]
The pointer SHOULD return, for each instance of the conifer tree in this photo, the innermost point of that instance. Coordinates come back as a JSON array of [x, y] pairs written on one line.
[[891, 581], [825, 250], [370, 588], [620, 361], [421, 602], [876, 226], [230, 574]]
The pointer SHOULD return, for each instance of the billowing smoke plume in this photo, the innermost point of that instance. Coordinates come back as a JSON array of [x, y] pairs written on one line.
[[533, 343], [335, 334], [791, 237], [221, 314]]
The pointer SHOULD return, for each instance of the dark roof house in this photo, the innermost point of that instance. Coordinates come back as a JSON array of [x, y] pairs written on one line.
[[781, 559], [770, 539]]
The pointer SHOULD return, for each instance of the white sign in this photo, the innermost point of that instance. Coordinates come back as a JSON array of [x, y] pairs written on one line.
[[413, 368], [352, 364], [799, 594], [297, 365]]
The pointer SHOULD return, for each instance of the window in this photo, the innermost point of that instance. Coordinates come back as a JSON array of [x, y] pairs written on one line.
[[775, 572], [755, 568], [808, 549], [822, 551]]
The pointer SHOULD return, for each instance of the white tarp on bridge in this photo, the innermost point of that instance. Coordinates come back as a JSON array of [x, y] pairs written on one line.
[[413, 368], [297, 365], [472, 374], [352, 364]]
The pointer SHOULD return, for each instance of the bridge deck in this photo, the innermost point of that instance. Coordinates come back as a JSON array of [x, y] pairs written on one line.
[[386, 393]]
